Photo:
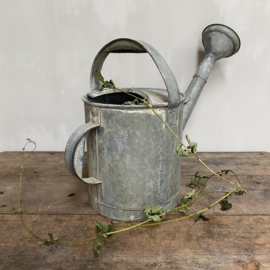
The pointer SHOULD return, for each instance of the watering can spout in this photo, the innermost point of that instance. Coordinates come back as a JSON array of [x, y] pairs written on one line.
[[219, 41]]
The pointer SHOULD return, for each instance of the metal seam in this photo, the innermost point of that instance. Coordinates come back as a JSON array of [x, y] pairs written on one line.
[[120, 209]]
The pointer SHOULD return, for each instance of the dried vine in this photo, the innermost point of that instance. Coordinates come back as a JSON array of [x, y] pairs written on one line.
[[155, 213]]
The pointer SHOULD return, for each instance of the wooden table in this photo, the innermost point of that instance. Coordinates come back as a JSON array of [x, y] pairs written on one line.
[[53, 201]]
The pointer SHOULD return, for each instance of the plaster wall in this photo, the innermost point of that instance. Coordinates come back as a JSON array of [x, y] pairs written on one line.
[[47, 48]]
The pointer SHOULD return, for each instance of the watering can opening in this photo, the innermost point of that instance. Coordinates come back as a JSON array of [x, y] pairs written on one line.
[[110, 98], [115, 98]]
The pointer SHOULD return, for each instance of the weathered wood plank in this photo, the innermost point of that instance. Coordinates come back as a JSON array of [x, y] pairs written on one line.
[[221, 243], [66, 195], [37, 163], [235, 239], [252, 203], [52, 163], [48, 195], [242, 163]]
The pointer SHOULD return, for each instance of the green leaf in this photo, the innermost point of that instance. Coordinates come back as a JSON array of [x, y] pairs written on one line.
[[202, 217], [102, 83], [101, 86], [98, 241], [154, 212], [109, 84], [198, 175], [106, 84], [190, 194], [156, 218], [47, 241], [104, 228], [240, 191], [225, 205], [134, 102], [181, 151], [197, 219], [183, 202], [184, 210], [193, 183], [192, 145], [98, 76]]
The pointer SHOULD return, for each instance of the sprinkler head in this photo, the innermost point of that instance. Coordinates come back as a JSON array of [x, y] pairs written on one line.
[[220, 40]]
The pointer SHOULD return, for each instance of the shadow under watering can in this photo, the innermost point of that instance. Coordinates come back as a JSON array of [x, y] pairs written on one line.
[[132, 160]]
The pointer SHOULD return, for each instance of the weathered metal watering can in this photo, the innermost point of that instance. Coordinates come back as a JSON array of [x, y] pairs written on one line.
[[132, 156]]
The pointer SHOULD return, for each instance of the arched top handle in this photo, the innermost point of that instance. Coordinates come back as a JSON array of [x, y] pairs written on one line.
[[125, 45]]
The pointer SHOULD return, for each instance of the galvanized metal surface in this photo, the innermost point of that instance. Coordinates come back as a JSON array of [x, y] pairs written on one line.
[[132, 155], [219, 42], [125, 45]]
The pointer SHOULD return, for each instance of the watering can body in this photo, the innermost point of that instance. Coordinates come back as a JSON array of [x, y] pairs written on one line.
[[132, 160], [133, 155]]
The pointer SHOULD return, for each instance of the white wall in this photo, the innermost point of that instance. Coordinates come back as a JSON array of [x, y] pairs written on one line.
[[47, 48]]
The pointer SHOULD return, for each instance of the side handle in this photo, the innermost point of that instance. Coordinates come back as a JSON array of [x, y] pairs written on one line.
[[74, 152]]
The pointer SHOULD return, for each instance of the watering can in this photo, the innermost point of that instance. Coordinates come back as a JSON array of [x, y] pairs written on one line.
[[132, 160]]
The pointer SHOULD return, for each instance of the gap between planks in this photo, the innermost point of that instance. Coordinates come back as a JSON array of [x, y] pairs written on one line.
[[96, 214]]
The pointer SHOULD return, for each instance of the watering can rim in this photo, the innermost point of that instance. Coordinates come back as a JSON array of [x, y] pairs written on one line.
[[147, 93]]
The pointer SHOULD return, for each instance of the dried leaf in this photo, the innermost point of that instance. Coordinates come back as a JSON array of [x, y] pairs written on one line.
[[104, 228], [181, 151], [106, 84], [198, 175], [190, 194], [109, 84], [98, 76], [225, 205], [202, 217], [102, 83], [51, 235], [154, 212], [183, 202], [98, 241], [101, 87], [47, 241], [192, 145], [156, 218], [134, 102], [240, 191], [193, 183]]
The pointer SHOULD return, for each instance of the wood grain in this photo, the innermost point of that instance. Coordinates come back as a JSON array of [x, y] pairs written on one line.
[[237, 239], [211, 245], [52, 163], [67, 195]]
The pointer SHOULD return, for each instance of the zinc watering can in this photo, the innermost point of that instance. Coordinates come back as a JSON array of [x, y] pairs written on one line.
[[132, 160]]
